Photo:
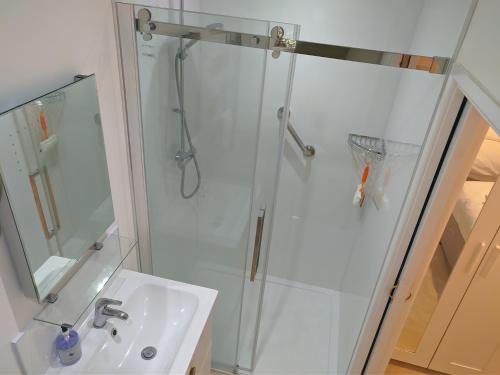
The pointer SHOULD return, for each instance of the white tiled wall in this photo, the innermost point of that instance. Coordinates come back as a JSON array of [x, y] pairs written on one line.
[[480, 54]]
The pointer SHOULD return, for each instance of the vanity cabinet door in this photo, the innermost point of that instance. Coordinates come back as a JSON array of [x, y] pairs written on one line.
[[201, 362], [471, 344]]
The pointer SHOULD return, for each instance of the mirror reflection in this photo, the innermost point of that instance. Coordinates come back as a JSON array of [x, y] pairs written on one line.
[[53, 167]]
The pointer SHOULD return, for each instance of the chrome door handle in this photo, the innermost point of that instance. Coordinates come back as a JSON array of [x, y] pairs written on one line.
[[257, 244]]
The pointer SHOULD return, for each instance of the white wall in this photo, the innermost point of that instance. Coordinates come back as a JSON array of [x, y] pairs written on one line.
[[410, 116], [44, 44], [8, 362], [480, 54]]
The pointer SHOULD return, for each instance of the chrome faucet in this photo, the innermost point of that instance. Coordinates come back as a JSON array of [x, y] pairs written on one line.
[[103, 312]]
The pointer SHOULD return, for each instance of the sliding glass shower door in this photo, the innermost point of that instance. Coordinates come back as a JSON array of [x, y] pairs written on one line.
[[211, 141], [214, 144]]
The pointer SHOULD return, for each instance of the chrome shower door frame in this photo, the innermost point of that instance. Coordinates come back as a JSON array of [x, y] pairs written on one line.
[[277, 42], [131, 103]]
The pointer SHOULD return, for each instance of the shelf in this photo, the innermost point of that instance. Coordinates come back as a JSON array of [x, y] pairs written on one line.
[[379, 148], [80, 291]]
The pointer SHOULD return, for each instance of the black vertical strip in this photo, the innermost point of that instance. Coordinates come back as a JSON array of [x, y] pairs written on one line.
[[412, 240]]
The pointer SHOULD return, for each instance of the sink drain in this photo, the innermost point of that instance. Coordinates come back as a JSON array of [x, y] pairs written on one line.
[[149, 352]]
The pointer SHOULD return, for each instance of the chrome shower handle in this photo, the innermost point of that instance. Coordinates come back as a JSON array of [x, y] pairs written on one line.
[[307, 150], [257, 244]]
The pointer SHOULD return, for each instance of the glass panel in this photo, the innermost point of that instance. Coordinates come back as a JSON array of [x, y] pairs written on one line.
[[206, 115], [483, 174], [270, 139], [78, 294], [55, 173], [327, 254]]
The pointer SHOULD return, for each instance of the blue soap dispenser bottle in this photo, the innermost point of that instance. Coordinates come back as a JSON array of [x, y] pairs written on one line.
[[68, 345]]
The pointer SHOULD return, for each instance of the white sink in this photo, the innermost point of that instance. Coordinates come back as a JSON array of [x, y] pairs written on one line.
[[165, 314]]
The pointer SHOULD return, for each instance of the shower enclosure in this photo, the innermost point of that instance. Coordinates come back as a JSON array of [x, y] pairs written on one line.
[[234, 194]]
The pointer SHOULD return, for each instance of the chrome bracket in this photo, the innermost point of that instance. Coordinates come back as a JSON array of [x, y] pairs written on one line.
[[280, 43], [52, 297], [97, 246], [145, 25]]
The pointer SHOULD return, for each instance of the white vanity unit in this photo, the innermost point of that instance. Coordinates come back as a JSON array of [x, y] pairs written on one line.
[[171, 317]]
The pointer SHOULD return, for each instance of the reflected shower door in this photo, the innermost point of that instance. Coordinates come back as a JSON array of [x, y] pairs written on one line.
[[211, 142]]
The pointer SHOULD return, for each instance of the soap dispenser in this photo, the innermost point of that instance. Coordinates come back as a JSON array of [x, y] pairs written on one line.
[[68, 345]]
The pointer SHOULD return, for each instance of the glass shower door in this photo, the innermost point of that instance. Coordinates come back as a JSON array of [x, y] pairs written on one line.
[[212, 121], [367, 113], [211, 139]]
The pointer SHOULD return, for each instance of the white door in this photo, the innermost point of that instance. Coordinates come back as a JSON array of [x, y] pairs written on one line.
[[472, 341]]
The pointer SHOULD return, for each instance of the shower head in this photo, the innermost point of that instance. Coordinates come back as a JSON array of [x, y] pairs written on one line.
[[182, 53]]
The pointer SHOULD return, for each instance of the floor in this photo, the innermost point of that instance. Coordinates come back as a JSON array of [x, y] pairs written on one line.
[[401, 368], [299, 329], [299, 332], [394, 368]]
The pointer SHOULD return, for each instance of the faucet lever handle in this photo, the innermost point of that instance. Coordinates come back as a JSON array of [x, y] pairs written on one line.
[[107, 301]]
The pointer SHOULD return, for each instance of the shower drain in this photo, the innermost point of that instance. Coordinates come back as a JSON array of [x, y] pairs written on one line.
[[149, 352]]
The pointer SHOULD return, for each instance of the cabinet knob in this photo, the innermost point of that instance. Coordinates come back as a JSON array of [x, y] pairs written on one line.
[[192, 371]]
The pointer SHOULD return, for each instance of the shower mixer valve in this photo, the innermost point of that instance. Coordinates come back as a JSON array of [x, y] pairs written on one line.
[[183, 157]]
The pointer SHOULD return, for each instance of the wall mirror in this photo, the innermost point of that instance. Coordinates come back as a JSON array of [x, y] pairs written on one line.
[[55, 178]]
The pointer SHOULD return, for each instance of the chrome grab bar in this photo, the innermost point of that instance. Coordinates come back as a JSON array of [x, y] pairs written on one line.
[[307, 150]]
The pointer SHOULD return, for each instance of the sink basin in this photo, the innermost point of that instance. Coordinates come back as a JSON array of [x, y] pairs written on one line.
[[164, 314]]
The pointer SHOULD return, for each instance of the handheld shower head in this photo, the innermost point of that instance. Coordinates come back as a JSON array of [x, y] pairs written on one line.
[[182, 53]]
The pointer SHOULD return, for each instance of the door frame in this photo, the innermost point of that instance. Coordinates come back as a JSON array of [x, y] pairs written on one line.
[[127, 59], [414, 263], [465, 144]]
